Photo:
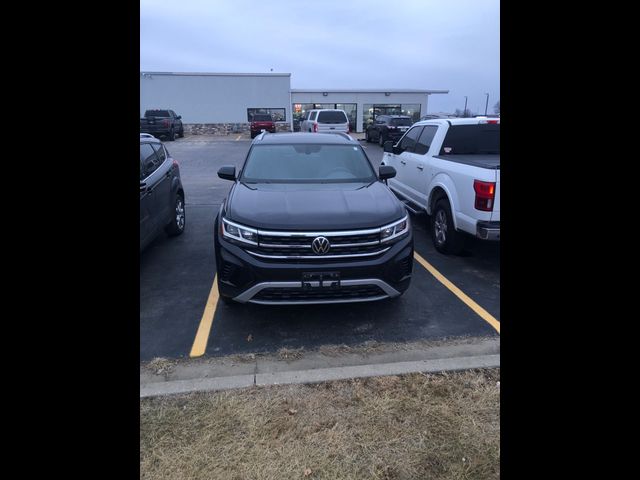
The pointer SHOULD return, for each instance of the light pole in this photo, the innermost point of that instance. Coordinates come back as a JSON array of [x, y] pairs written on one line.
[[486, 105], [464, 112]]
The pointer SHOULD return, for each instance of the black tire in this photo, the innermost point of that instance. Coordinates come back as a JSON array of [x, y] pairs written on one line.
[[367, 137], [172, 135], [381, 139], [181, 133], [445, 237], [178, 218]]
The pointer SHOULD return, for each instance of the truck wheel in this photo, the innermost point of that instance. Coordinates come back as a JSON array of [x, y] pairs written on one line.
[[445, 237], [181, 133], [381, 139], [368, 138], [172, 135], [178, 218]]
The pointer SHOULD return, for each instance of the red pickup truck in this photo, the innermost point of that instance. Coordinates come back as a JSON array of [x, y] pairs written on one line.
[[262, 121]]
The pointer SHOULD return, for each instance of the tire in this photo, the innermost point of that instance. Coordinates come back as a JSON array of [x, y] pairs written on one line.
[[367, 137], [381, 139], [181, 133], [172, 135], [445, 237], [178, 220]]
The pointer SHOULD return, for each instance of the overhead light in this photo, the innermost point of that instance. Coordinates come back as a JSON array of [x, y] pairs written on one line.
[[324, 94], [386, 94]]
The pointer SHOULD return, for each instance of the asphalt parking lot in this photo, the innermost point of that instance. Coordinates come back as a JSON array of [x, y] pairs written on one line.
[[451, 297]]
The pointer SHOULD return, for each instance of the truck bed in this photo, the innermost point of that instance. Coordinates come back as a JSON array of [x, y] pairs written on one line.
[[491, 162]]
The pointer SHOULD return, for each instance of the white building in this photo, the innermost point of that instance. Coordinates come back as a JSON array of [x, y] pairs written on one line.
[[221, 101]]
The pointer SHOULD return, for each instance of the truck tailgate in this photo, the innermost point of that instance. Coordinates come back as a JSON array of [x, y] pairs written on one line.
[[495, 215]]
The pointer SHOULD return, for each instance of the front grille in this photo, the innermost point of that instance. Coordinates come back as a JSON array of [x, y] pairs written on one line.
[[300, 295], [298, 244]]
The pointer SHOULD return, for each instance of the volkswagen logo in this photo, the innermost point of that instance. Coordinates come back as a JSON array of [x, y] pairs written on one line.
[[320, 245]]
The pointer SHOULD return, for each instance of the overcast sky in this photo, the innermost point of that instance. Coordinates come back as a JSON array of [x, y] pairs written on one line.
[[414, 44]]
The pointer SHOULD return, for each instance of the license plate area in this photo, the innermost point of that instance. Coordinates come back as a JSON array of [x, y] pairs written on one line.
[[312, 280]]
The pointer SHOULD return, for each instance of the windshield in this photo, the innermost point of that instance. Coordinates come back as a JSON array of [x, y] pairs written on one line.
[[307, 164], [332, 116], [156, 113], [400, 122], [482, 139]]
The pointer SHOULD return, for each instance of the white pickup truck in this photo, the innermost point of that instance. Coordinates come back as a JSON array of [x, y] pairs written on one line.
[[450, 169]]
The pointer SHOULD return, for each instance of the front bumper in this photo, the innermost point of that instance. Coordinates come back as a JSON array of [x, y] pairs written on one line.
[[488, 231], [247, 279]]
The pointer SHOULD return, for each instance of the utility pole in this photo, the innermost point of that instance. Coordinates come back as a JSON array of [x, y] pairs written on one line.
[[486, 105], [464, 112]]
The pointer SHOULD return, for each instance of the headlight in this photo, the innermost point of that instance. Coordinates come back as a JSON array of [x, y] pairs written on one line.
[[395, 229], [239, 233]]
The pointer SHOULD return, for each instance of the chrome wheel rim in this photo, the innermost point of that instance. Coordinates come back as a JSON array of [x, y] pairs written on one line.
[[180, 214], [440, 227]]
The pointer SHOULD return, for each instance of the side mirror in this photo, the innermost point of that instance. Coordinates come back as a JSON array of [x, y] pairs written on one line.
[[143, 187], [386, 171], [179, 117], [388, 146], [227, 172]]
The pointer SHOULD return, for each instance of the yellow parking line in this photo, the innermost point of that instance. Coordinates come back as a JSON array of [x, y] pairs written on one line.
[[238, 137], [486, 316], [202, 336]]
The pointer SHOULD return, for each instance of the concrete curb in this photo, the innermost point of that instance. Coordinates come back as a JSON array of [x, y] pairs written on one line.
[[318, 375]]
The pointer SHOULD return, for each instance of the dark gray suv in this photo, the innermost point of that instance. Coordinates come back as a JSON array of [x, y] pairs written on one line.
[[161, 192]]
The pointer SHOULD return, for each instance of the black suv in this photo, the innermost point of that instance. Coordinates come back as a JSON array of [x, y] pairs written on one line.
[[161, 192], [388, 127], [308, 220]]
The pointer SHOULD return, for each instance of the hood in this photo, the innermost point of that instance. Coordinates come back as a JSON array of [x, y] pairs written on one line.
[[336, 206]]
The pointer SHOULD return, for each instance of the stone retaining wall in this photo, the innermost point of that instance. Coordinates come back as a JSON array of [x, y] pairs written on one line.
[[226, 128]]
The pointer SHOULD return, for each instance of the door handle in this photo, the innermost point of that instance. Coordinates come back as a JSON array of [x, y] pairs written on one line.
[[420, 167], [403, 162]]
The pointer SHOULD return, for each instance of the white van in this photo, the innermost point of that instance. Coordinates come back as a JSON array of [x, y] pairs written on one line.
[[325, 120]]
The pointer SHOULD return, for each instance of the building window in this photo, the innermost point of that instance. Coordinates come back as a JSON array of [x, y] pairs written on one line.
[[371, 111], [278, 114]]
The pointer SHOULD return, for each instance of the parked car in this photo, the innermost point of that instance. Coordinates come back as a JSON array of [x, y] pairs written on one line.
[[162, 123], [325, 120], [308, 220], [387, 127], [450, 169], [161, 192], [262, 121]]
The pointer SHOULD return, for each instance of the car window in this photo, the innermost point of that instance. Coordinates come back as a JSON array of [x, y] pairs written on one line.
[[302, 163], [472, 140], [332, 116], [157, 113], [400, 122], [160, 152], [262, 118], [424, 142], [313, 115], [410, 138], [149, 159]]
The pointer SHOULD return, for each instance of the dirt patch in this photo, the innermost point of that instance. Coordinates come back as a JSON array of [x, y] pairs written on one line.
[[436, 426], [289, 354]]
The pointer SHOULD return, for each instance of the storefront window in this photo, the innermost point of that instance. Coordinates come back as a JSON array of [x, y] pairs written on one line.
[[371, 111], [278, 114]]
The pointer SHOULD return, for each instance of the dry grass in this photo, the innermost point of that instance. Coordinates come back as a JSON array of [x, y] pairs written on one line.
[[396, 427]]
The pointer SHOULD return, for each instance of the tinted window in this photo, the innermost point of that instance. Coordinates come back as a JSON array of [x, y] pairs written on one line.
[[149, 160], [400, 122], [472, 140], [410, 138], [160, 153], [424, 142], [332, 117], [157, 113], [313, 115], [307, 164]]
